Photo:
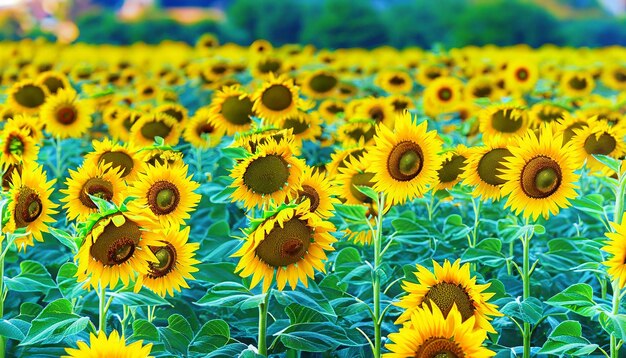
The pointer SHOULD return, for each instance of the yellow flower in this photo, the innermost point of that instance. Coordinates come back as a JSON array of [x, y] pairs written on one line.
[[112, 346], [65, 116]]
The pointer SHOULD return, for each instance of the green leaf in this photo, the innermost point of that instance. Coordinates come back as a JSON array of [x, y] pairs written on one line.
[[65, 239], [487, 252], [614, 324], [609, 162], [301, 314], [33, 278], [590, 204], [229, 351], [354, 213], [367, 191], [529, 310], [566, 339], [177, 335], [213, 335], [577, 298], [313, 300], [144, 330], [142, 298], [314, 337], [230, 294], [14, 328], [67, 282], [55, 323]]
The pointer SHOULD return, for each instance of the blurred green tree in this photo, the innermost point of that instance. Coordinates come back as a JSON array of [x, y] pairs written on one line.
[[277, 21]]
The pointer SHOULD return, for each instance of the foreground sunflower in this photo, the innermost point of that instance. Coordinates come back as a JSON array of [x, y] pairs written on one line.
[[484, 166], [598, 138], [290, 242], [616, 247], [30, 206], [175, 264], [96, 180], [449, 286], [539, 175], [404, 161], [112, 346], [434, 335], [65, 116], [453, 164], [271, 174], [116, 247], [276, 99], [167, 192], [125, 157]]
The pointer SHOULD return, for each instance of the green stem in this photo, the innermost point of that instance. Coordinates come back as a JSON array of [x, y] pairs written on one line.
[[526, 290], [378, 258], [57, 163], [263, 306], [102, 323], [476, 208], [2, 297], [617, 218], [199, 162]]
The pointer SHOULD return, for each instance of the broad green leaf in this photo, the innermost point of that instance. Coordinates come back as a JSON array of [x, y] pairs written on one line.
[[301, 314], [54, 323], [177, 335], [367, 191], [65, 239], [577, 298], [33, 278], [142, 298], [230, 294], [144, 330], [567, 339], [67, 283], [14, 328], [213, 335], [314, 337], [529, 310]]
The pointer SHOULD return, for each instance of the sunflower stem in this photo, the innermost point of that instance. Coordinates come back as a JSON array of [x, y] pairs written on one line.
[[378, 258], [2, 297], [102, 322], [620, 190], [526, 290], [476, 208], [263, 306], [57, 163], [199, 162]]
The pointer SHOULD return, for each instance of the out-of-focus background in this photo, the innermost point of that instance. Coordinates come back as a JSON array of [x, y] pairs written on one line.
[[324, 23]]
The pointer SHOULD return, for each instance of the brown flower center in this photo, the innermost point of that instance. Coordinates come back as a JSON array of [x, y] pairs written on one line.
[[445, 295], [452, 168], [444, 94], [53, 84], [155, 128], [308, 192], [118, 160], [604, 144], [167, 260], [521, 74], [405, 161], [116, 245], [27, 208], [277, 98], [296, 124], [30, 96], [266, 175], [439, 347], [237, 111], [541, 177], [323, 83], [287, 245], [578, 83], [491, 165], [66, 115], [361, 179], [97, 187], [506, 121], [163, 197]]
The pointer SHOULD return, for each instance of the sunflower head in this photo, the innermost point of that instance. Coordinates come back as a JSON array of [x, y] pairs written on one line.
[[149, 126], [27, 96], [276, 99], [103, 346], [231, 110]]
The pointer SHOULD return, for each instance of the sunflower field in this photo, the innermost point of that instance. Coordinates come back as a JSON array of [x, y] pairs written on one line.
[[220, 200]]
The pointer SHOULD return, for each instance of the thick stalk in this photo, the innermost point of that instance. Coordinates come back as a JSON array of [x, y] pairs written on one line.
[[199, 163], [617, 218], [526, 290], [102, 323], [2, 297], [57, 163], [378, 238], [263, 324]]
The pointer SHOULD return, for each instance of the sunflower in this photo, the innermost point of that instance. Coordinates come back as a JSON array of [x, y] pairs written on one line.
[[331, 110], [164, 157], [356, 132], [176, 263], [231, 110], [271, 174], [120, 126], [17, 147], [430, 334], [291, 242], [546, 112], [521, 76], [484, 166], [577, 83], [616, 246], [253, 140], [539, 175], [265, 66], [394, 82], [276, 99], [453, 164], [125, 157], [167, 192], [65, 116], [341, 157], [149, 126], [7, 175], [319, 84], [116, 247], [53, 81], [598, 138], [30, 206], [174, 110], [304, 125], [146, 90], [378, 110], [200, 131], [112, 346], [614, 76], [441, 95], [503, 120], [481, 87], [569, 125], [428, 72], [319, 191], [26, 96], [97, 180], [449, 286], [405, 161], [400, 102]]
